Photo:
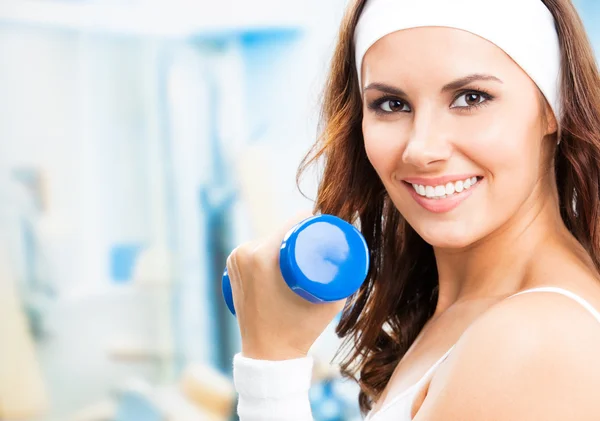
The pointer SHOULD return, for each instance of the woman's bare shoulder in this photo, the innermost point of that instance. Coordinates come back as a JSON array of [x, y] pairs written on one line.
[[532, 356]]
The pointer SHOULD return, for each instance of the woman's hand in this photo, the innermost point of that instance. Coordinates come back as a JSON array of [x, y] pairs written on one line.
[[275, 323]]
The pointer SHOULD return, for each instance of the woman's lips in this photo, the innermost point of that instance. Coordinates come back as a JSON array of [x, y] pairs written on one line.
[[442, 205]]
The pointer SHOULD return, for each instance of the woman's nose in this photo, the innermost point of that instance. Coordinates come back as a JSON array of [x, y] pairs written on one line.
[[429, 142]]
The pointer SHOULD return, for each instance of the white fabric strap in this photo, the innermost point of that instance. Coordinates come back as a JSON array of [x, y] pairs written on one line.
[[566, 293], [273, 390], [524, 29]]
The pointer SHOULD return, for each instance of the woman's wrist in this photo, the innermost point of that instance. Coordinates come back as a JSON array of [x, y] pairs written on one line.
[[271, 378], [273, 354]]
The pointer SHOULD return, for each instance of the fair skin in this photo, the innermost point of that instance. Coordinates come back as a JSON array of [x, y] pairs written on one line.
[[505, 237], [526, 358]]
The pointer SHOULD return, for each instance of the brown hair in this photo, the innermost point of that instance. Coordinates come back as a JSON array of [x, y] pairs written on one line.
[[383, 318]]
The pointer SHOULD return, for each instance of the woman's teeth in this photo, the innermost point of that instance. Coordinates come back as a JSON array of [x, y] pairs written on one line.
[[441, 192]]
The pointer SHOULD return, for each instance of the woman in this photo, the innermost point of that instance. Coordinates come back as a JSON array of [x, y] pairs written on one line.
[[464, 137]]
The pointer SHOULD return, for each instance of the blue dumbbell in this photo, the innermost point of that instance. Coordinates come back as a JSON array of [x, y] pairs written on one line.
[[322, 259]]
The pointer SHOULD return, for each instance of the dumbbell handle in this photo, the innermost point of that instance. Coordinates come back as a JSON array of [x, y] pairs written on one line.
[[227, 294]]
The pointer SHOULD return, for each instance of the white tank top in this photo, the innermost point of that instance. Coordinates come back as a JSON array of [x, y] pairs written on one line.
[[399, 408]]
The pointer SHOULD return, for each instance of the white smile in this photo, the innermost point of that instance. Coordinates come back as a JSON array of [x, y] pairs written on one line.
[[444, 191]]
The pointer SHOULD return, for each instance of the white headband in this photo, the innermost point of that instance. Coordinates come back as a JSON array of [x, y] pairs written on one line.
[[524, 29]]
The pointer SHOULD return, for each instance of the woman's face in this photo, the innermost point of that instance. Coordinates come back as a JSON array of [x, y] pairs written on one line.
[[445, 109]]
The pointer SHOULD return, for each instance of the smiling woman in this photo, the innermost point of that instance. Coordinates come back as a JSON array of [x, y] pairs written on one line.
[[464, 137], [450, 128]]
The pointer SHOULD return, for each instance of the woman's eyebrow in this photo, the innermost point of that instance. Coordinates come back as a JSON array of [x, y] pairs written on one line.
[[459, 83], [452, 86], [388, 89]]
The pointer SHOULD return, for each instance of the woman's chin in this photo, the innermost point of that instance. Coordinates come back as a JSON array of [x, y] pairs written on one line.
[[456, 238]]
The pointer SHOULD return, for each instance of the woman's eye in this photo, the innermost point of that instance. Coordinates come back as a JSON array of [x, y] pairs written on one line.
[[469, 99], [392, 105]]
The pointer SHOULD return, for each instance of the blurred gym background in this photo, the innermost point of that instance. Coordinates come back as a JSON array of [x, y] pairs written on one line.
[[140, 141]]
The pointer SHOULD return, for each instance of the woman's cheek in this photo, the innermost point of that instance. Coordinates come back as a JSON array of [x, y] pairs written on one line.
[[488, 143], [383, 146]]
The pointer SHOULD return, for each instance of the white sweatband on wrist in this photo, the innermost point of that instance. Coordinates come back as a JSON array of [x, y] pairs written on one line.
[[273, 390]]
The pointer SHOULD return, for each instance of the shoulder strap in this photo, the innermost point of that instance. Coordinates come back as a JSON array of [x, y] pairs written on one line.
[[434, 366], [566, 293]]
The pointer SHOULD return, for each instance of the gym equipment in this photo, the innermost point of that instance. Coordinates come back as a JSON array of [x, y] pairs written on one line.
[[322, 259]]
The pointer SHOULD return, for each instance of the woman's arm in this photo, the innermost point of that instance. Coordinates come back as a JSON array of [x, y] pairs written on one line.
[[273, 390], [277, 330], [531, 357]]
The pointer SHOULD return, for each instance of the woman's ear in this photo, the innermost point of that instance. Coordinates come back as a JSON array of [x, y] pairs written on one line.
[[550, 120]]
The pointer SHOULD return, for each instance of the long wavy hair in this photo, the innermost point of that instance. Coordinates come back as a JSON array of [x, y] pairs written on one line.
[[383, 318]]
